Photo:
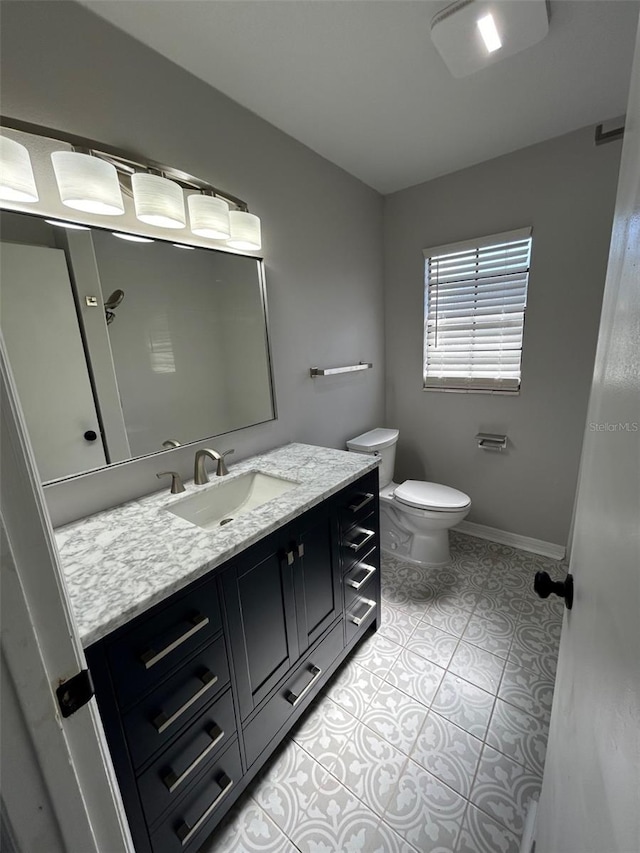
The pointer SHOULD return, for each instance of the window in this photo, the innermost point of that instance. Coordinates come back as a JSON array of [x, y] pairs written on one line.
[[475, 295]]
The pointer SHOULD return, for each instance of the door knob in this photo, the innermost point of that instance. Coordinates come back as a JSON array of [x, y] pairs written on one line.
[[90, 435], [544, 586]]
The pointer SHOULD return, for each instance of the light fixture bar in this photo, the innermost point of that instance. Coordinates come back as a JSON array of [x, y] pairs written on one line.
[[123, 161], [489, 33]]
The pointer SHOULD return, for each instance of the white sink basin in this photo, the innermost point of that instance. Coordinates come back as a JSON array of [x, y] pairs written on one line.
[[228, 499]]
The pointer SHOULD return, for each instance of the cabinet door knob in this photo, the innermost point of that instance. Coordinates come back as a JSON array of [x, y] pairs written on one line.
[[90, 435], [290, 557], [544, 586], [301, 550]]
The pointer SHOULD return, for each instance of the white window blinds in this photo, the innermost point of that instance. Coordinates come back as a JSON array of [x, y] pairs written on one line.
[[475, 300]]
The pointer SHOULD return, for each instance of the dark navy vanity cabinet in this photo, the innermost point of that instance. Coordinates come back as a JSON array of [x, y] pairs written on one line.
[[197, 693]]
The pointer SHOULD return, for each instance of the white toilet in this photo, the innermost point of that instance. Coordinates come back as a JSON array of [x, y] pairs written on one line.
[[415, 516]]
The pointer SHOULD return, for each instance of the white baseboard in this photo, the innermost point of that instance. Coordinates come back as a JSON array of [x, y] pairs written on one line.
[[528, 842], [525, 543]]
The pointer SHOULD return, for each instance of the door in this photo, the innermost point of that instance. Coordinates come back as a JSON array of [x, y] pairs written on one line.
[[48, 364], [260, 605], [40, 648], [316, 574], [590, 800]]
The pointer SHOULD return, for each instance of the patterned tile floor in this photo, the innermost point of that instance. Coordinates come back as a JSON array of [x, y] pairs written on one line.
[[431, 737]]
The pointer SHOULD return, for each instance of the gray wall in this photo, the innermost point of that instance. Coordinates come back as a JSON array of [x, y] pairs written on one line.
[[565, 189], [62, 67]]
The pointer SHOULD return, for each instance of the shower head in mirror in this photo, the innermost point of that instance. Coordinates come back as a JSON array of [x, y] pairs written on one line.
[[111, 304]]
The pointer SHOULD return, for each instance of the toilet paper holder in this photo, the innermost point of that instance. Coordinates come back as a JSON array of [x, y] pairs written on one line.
[[490, 441]]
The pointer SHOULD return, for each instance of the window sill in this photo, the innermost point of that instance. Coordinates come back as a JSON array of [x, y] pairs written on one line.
[[514, 393]]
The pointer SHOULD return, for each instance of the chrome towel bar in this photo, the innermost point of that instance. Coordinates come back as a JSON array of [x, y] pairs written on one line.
[[330, 371]]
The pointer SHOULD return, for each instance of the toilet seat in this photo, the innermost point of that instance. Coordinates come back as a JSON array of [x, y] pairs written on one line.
[[432, 496]]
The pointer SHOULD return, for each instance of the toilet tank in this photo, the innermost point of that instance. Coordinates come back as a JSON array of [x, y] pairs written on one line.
[[378, 442]]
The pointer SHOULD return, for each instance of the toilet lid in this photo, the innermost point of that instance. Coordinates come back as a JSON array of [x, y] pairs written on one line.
[[423, 495]]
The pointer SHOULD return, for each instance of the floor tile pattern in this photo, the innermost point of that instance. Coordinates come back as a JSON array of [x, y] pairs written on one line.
[[431, 738]]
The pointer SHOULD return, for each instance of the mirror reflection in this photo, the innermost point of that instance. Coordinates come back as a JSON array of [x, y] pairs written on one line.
[[121, 349]]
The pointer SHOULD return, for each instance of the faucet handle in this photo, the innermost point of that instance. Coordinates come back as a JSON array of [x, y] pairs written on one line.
[[222, 470], [176, 481]]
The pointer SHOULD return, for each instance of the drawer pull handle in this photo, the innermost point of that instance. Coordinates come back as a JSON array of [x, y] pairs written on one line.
[[358, 620], [150, 657], [185, 832], [366, 536], [172, 780], [366, 499], [162, 722], [294, 698], [369, 571]]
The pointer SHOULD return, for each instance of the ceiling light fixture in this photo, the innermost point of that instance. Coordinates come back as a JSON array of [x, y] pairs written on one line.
[[489, 33], [471, 35], [87, 183], [16, 174]]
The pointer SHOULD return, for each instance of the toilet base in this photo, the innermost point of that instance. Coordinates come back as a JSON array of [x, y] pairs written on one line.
[[429, 563], [426, 548]]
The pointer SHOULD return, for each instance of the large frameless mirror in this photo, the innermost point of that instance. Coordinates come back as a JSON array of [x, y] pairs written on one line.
[[124, 348]]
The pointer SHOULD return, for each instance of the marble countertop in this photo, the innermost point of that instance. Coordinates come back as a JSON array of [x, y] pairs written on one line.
[[120, 562]]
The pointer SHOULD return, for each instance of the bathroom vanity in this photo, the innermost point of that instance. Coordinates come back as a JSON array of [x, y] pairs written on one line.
[[207, 645]]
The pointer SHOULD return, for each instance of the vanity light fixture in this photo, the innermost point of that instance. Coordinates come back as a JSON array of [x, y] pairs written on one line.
[[158, 201], [87, 183], [245, 231], [93, 178], [16, 173], [132, 238], [72, 226], [209, 216]]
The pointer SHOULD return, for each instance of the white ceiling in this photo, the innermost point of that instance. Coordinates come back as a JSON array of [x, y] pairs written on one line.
[[360, 82]]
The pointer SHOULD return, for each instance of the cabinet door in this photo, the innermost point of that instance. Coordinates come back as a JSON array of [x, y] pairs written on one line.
[[261, 610], [316, 574]]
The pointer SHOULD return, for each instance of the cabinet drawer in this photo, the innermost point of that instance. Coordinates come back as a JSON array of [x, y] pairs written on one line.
[[182, 762], [358, 541], [145, 655], [298, 686], [199, 811], [358, 574], [359, 501], [159, 716], [361, 607]]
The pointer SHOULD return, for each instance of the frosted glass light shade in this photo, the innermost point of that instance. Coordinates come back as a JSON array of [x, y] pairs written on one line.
[[16, 175], [209, 216], [245, 230], [158, 201], [87, 183]]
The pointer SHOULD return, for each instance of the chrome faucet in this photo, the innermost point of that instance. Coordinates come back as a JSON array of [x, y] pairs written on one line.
[[200, 476], [176, 481]]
